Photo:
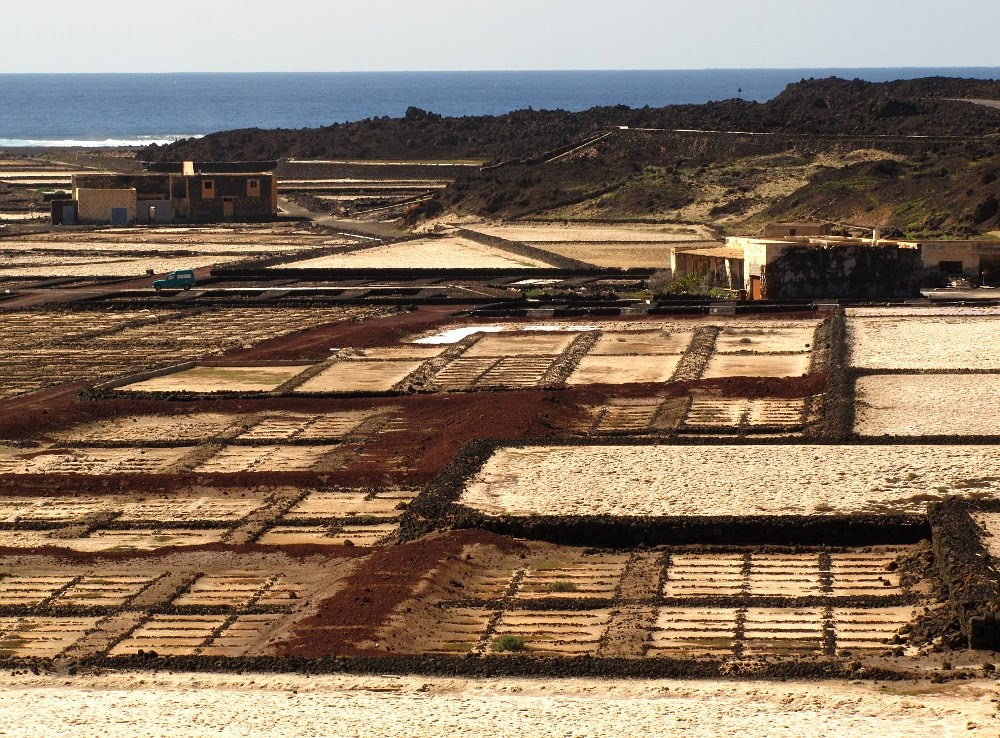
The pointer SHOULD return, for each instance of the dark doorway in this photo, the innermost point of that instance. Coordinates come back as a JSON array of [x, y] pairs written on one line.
[[989, 270]]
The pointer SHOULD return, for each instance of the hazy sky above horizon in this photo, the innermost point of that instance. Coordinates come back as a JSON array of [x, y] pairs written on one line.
[[384, 35]]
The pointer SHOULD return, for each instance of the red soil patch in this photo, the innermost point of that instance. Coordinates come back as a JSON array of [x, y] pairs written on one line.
[[316, 344], [49, 405], [433, 428], [379, 585]]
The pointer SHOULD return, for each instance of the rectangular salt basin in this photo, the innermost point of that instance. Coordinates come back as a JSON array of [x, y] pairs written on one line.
[[927, 405], [740, 480], [219, 379], [454, 335], [941, 342]]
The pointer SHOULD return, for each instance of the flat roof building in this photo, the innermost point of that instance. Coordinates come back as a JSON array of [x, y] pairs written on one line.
[[186, 192]]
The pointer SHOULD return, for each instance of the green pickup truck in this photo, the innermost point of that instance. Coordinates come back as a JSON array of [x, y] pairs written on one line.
[[182, 279]]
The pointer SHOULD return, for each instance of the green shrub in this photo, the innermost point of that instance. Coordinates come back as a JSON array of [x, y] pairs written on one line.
[[562, 586], [508, 643]]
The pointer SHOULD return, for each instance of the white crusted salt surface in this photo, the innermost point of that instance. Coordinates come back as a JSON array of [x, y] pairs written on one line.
[[291, 706], [922, 310], [927, 405], [728, 480], [957, 342]]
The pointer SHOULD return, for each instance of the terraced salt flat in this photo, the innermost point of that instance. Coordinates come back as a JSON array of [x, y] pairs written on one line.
[[624, 369], [757, 365], [615, 343], [626, 415], [927, 405], [361, 375], [351, 503], [558, 633], [139, 428], [53, 509], [520, 344], [733, 412], [921, 311], [105, 540], [323, 535], [110, 589], [846, 574], [436, 253], [765, 340], [956, 342], [128, 509], [219, 379], [642, 255], [41, 637], [236, 459], [94, 461], [288, 426], [689, 632], [171, 635], [182, 509], [640, 329], [665, 480], [111, 266]]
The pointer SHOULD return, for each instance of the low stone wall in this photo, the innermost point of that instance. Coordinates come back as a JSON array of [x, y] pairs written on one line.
[[438, 507], [973, 587], [521, 249], [843, 272]]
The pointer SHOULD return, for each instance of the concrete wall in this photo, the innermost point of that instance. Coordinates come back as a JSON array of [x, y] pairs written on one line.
[[777, 230], [95, 205], [970, 253], [757, 254], [164, 211]]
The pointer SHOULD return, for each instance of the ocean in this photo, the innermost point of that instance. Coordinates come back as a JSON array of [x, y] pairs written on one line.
[[137, 109]]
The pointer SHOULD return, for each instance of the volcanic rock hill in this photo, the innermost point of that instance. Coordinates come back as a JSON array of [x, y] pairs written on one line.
[[828, 106], [915, 155]]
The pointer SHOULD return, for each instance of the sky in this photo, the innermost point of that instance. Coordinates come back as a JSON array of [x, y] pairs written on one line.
[[397, 35]]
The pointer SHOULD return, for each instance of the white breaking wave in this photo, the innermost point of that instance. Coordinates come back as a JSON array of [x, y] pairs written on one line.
[[94, 143]]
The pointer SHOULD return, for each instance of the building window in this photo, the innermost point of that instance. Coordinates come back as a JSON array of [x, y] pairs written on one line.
[[950, 267], [253, 188], [208, 188]]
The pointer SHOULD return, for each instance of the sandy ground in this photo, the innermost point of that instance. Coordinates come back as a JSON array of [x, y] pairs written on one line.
[[106, 248], [583, 233], [359, 375], [990, 522], [965, 342], [921, 310], [430, 254], [624, 369], [728, 480], [112, 267], [756, 365], [927, 404], [169, 705], [614, 255]]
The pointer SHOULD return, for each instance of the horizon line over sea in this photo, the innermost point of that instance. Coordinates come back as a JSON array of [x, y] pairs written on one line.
[[90, 109]]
